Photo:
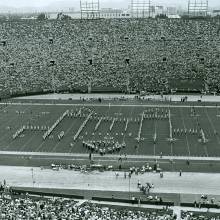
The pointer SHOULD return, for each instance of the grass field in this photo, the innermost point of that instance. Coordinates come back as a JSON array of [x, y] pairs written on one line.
[[145, 130]]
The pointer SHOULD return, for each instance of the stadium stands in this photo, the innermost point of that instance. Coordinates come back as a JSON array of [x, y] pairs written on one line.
[[29, 207], [109, 55], [199, 215]]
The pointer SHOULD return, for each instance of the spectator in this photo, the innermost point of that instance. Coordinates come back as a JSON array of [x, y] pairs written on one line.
[[155, 55]]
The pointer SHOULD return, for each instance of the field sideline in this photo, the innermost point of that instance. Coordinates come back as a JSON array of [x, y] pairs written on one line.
[[173, 98], [112, 104]]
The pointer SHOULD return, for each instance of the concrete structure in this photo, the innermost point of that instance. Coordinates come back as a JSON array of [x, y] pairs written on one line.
[[171, 11], [216, 12], [107, 13]]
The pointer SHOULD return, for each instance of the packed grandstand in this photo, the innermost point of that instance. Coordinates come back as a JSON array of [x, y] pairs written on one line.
[[154, 55], [25, 207]]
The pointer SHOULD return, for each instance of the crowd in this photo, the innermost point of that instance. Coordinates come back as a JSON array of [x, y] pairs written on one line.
[[116, 54], [205, 201], [199, 215], [92, 211], [103, 147], [18, 207]]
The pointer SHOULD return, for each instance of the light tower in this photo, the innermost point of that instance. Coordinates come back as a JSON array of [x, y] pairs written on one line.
[[90, 9], [140, 8], [198, 8]]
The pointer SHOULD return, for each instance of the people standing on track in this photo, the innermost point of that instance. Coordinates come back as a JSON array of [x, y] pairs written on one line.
[[116, 175]]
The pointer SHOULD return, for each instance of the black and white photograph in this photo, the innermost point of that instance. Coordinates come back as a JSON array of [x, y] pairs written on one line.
[[109, 110]]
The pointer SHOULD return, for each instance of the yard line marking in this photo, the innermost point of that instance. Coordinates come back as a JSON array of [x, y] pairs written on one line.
[[206, 150], [140, 127], [213, 127], [155, 136], [186, 136], [130, 114], [170, 133]]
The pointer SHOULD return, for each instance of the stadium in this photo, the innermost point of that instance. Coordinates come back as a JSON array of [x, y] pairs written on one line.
[[110, 118]]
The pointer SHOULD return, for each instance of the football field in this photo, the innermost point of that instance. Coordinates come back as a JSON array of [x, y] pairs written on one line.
[[111, 129]]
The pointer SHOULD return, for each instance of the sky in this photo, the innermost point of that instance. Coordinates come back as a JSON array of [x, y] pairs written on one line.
[[104, 3]]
